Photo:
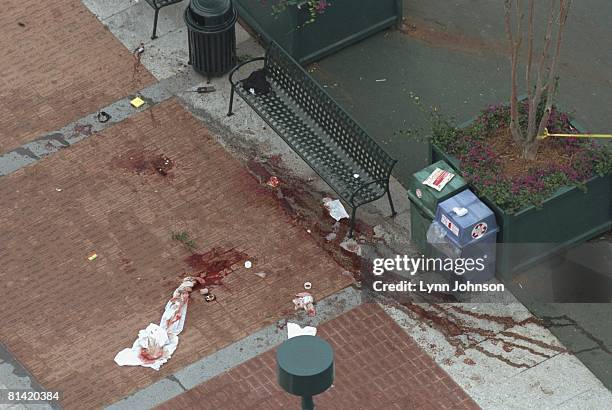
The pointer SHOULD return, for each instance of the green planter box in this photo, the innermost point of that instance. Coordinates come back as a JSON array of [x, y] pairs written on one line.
[[343, 23], [570, 216]]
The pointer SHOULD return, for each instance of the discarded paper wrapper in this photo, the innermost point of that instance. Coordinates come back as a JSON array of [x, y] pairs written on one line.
[[304, 300], [137, 102], [335, 208], [293, 330], [438, 179]]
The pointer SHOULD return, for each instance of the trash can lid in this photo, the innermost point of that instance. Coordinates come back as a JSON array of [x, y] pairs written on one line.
[[211, 15], [305, 365]]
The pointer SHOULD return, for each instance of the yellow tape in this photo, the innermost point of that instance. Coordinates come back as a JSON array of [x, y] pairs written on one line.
[[547, 134]]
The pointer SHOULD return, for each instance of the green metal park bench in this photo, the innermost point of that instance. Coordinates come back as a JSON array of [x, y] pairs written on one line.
[[158, 5], [325, 136]]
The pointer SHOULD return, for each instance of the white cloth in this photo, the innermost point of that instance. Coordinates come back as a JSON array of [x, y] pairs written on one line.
[[156, 344]]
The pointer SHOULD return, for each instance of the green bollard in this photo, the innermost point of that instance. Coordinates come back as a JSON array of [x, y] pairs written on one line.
[[305, 367]]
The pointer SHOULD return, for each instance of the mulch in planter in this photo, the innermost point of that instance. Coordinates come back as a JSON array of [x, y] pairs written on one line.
[[551, 152]]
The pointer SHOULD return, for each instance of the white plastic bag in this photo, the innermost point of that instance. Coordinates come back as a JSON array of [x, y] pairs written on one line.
[[335, 208]]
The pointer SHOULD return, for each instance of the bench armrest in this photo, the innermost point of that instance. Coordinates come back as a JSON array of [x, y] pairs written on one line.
[[231, 75], [365, 185]]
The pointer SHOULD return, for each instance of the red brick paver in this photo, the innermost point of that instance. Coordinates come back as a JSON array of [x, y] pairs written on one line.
[[65, 317], [58, 64], [378, 366]]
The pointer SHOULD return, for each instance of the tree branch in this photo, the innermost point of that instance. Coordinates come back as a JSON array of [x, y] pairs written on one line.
[[530, 36]]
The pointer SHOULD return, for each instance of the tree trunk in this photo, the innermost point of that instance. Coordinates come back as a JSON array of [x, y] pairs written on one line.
[[534, 102], [515, 46], [530, 150]]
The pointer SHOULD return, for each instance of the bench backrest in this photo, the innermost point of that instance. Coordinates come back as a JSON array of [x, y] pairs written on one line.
[[319, 105]]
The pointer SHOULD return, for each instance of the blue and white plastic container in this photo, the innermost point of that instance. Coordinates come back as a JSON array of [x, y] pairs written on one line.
[[465, 228]]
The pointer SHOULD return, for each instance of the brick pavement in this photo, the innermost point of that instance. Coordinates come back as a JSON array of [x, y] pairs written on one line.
[[65, 317], [58, 64], [378, 366]]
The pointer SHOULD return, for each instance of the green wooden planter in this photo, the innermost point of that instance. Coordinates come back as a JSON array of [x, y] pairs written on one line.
[[568, 217], [343, 23]]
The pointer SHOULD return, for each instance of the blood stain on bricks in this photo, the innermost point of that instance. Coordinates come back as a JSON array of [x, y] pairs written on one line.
[[82, 129], [302, 203], [144, 162], [127, 265], [216, 264], [162, 164]]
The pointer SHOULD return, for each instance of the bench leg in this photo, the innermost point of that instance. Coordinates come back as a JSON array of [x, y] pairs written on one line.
[[393, 213], [154, 36], [231, 103], [352, 222]]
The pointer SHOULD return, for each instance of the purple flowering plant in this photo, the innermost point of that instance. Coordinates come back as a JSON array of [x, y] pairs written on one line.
[[481, 166], [314, 7]]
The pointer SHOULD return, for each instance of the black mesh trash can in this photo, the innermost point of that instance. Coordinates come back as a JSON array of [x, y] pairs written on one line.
[[211, 26]]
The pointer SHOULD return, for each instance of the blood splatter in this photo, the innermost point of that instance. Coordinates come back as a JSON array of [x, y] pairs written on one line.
[[462, 336], [302, 204], [214, 265], [142, 162], [449, 327], [162, 164], [82, 129], [147, 357]]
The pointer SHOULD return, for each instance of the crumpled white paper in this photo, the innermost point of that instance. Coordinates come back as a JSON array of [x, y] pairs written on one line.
[[156, 344], [460, 211], [335, 208], [293, 330], [305, 300]]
